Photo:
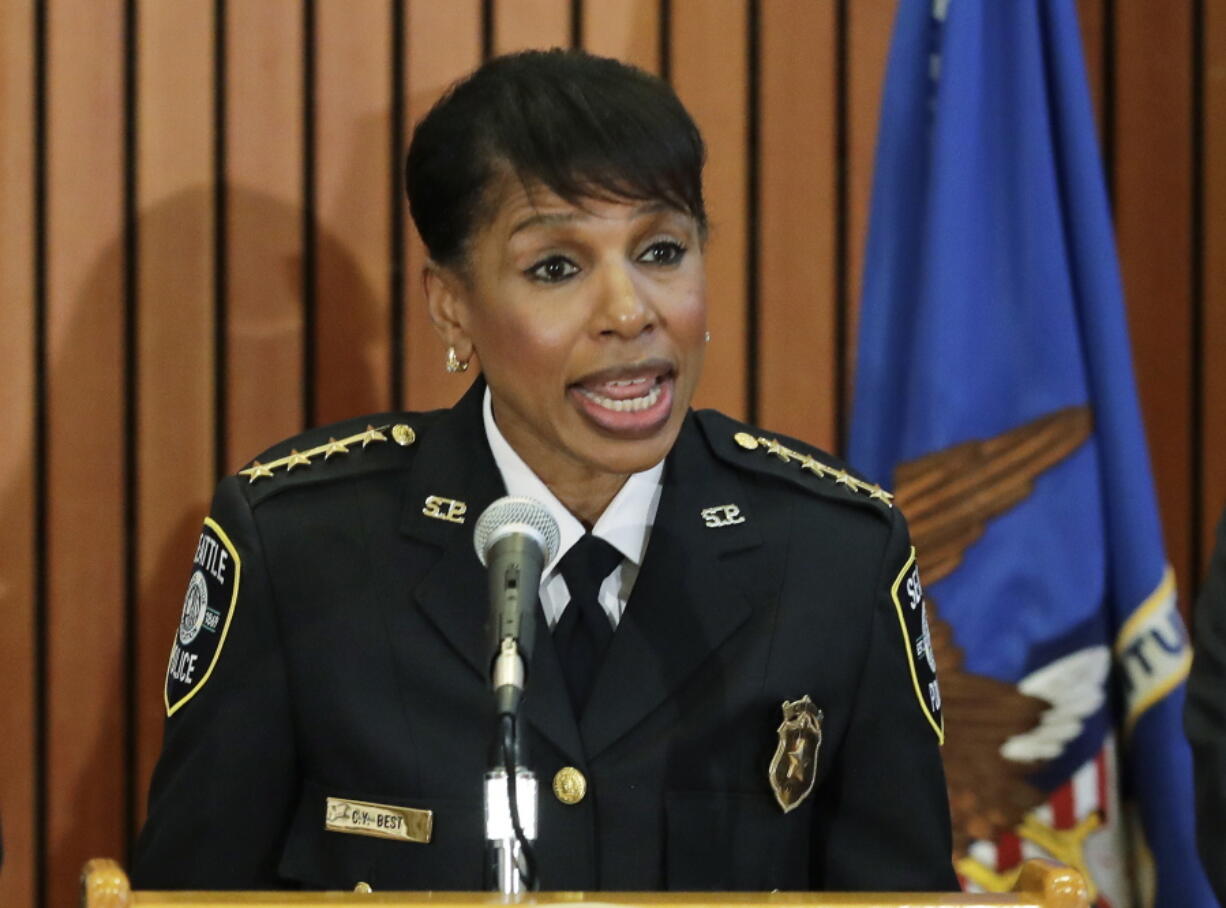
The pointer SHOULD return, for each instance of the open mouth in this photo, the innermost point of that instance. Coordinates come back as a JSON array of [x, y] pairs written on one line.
[[643, 394], [632, 401]]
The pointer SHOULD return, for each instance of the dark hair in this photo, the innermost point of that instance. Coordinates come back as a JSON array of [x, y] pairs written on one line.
[[584, 126]]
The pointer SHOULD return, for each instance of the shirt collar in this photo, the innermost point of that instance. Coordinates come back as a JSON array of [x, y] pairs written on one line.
[[626, 522]]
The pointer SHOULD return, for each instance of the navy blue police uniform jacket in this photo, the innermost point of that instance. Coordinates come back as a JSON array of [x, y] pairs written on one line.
[[328, 681]]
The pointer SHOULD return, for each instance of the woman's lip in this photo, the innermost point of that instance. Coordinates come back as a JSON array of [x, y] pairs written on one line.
[[649, 369], [627, 422]]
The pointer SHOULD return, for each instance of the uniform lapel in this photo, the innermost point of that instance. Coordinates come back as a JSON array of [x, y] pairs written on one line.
[[691, 593], [455, 463]]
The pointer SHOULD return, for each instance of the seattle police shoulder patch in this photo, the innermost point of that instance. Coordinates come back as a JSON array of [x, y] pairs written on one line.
[[208, 608], [908, 596]]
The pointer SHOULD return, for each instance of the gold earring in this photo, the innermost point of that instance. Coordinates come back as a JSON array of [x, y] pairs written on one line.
[[454, 363], [706, 337]]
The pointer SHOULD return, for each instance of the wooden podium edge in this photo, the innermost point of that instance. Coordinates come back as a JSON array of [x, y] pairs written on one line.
[[1040, 884]]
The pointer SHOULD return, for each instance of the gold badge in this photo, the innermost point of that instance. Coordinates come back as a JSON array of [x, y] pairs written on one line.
[[383, 821], [793, 769]]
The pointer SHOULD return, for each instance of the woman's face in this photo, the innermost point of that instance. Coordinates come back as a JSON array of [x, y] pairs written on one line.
[[589, 326]]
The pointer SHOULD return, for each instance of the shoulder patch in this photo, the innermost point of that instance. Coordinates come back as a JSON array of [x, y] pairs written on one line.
[[208, 609], [908, 596]]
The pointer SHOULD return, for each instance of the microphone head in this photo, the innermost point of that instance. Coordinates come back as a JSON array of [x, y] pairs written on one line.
[[510, 514]]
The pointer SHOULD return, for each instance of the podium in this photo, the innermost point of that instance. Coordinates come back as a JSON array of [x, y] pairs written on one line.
[[1040, 884]]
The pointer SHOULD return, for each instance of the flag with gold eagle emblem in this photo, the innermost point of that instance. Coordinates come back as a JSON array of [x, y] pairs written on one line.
[[995, 395]]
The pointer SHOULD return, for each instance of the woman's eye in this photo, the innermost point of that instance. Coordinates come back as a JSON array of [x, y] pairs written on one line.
[[552, 270], [663, 252]]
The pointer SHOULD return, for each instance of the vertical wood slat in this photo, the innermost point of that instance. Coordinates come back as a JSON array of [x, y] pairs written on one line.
[[17, 405], [175, 420], [869, 25], [264, 154], [86, 721], [443, 43], [1153, 188], [1212, 329], [353, 95], [709, 71], [797, 358], [527, 24], [626, 29]]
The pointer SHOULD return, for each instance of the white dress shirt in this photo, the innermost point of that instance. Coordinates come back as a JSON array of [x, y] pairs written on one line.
[[625, 524]]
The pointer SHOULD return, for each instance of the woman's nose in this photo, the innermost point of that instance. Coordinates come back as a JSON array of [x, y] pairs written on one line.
[[623, 310]]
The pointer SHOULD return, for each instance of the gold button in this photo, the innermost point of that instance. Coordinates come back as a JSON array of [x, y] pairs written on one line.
[[362, 887], [745, 440], [569, 785], [403, 435]]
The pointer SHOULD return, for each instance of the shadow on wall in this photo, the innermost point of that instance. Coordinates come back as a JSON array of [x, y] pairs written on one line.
[[173, 475]]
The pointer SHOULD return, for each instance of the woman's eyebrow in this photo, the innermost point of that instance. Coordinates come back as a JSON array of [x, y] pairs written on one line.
[[554, 218]]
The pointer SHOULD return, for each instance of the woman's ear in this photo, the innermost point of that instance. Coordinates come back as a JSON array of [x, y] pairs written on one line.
[[447, 304]]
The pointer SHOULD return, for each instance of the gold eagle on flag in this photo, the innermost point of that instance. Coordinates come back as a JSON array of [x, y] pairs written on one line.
[[949, 496]]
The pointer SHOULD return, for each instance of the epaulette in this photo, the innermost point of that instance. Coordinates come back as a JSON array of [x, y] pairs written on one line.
[[749, 448], [331, 452]]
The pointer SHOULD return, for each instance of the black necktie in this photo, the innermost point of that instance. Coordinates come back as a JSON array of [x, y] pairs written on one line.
[[583, 632]]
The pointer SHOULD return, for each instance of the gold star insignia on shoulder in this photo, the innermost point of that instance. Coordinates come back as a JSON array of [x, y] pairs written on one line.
[[813, 465], [256, 471], [773, 447], [880, 494], [296, 460], [403, 434], [372, 434]]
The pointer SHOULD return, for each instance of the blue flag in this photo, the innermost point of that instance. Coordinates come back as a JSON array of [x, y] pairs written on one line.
[[995, 395]]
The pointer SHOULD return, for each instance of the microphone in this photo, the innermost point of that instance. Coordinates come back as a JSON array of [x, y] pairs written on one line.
[[515, 538]]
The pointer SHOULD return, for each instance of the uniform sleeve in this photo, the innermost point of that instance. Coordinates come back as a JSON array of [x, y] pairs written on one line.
[[224, 785], [1205, 715], [888, 825]]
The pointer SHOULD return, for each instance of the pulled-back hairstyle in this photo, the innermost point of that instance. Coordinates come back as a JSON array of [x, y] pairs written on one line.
[[583, 126]]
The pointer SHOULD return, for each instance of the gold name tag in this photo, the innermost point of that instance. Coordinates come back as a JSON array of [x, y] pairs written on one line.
[[385, 821]]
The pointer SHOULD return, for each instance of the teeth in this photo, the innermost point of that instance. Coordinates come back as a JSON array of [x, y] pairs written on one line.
[[633, 405], [627, 382]]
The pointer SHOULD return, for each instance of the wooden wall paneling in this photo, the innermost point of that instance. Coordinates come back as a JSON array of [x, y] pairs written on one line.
[[175, 356], [1212, 330], [798, 354], [86, 709], [443, 43], [709, 63], [1153, 199], [626, 29], [352, 160], [525, 24], [870, 23], [17, 413], [264, 245]]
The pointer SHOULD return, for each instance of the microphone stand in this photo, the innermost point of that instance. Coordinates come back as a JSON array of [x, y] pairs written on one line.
[[510, 787]]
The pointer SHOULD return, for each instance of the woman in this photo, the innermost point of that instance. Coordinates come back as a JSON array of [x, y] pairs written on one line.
[[730, 701]]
